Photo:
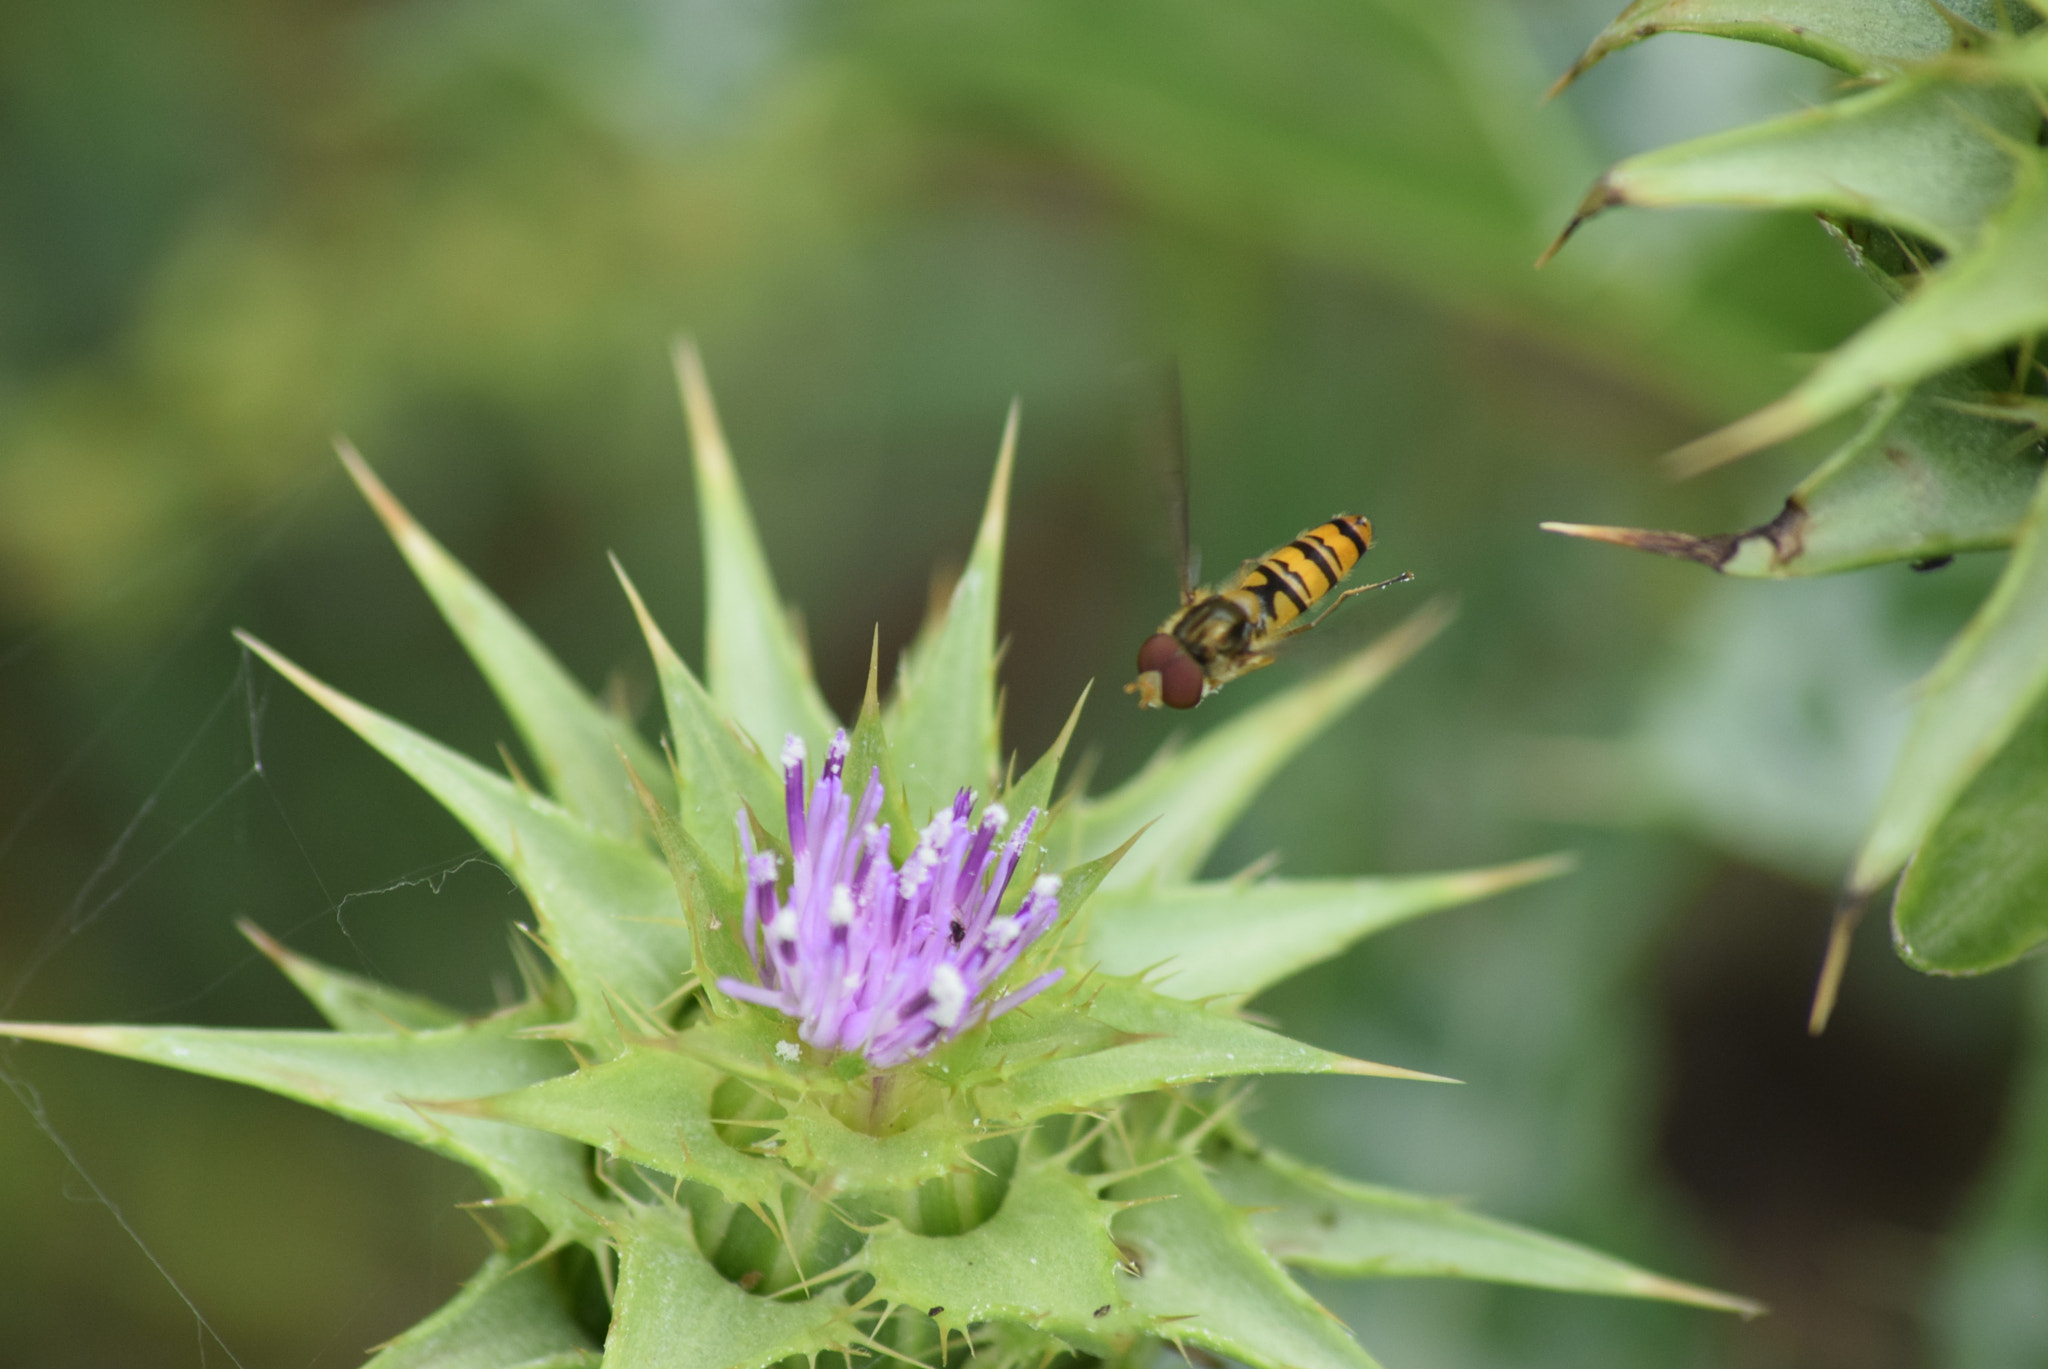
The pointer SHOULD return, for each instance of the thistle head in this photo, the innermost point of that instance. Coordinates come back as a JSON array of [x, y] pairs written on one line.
[[877, 958]]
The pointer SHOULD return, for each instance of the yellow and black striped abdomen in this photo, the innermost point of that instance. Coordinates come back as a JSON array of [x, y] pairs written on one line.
[[1289, 579]]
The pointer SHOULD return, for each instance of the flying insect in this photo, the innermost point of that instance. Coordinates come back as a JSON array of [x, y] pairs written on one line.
[[1219, 634]]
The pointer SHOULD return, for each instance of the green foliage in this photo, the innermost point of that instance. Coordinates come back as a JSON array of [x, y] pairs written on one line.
[[1932, 174], [725, 1193]]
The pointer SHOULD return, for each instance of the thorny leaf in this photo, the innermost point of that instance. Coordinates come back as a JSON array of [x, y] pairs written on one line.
[[575, 741], [756, 666]]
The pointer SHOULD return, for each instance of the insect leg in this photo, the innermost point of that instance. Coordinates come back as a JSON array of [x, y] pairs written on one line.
[[1400, 579]]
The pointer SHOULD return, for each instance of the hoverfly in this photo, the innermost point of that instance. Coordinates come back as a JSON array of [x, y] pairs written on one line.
[[1219, 634]]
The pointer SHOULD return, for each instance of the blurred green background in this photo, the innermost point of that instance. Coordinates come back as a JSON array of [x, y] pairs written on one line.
[[465, 233]]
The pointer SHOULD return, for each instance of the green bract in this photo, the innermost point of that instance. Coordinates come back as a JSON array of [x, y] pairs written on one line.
[[1932, 170], [681, 1182]]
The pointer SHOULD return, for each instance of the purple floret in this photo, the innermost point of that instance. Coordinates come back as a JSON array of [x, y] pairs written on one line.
[[874, 958]]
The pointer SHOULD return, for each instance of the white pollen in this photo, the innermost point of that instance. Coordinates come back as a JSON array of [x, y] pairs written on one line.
[[1003, 931], [1045, 886], [783, 928], [763, 867], [839, 748], [788, 1050], [793, 752], [949, 996], [996, 816], [839, 909]]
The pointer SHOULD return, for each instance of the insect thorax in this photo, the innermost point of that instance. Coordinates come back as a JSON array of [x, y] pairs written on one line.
[[1216, 626]]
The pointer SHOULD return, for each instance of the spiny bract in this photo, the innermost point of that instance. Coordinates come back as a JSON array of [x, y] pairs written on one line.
[[1011, 1146]]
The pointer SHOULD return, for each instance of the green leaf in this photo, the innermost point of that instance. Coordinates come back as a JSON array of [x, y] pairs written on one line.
[[1133, 1040], [1975, 896], [1193, 795], [576, 742], [379, 1080], [1331, 1226], [1861, 37], [1970, 305], [1924, 478], [650, 1106], [510, 1315], [674, 1310], [1989, 680], [755, 664], [1235, 939], [717, 767], [1923, 154], [943, 718], [1045, 1258], [349, 1002], [607, 909], [1207, 1281]]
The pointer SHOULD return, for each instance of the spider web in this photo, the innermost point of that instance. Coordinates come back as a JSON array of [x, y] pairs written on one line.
[[213, 800]]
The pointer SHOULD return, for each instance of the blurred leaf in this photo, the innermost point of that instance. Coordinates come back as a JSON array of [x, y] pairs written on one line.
[[674, 1308], [1975, 896], [1923, 478], [943, 719], [510, 1315], [1970, 305], [1045, 1258], [1234, 939], [1861, 37], [1972, 703], [607, 909], [349, 1002], [376, 1080], [717, 768], [1193, 795], [1331, 1226], [1922, 154], [757, 668], [576, 742], [1207, 1277]]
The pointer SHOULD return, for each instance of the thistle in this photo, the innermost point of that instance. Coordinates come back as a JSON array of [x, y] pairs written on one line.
[[900, 1057]]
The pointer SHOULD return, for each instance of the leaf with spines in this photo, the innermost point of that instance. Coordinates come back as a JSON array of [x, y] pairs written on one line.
[[1046, 1259], [1314, 1220], [1921, 154], [574, 740], [1930, 474], [1861, 37], [1193, 937], [757, 668], [718, 769], [1203, 1277], [1968, 306], [512, 1314], [942, 724], [673, 1308], [375, 1080]]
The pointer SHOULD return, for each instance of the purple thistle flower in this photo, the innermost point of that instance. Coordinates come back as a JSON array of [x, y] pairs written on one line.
[[879, 959]]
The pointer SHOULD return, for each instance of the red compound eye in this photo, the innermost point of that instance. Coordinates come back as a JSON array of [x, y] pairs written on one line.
[[1180, 679]]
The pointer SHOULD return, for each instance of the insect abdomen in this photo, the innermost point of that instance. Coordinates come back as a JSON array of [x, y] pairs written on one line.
[[1290, 579]]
